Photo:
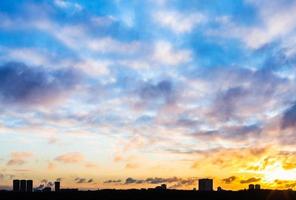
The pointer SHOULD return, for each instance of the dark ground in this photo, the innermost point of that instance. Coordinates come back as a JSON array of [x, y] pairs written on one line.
[[153, 195]]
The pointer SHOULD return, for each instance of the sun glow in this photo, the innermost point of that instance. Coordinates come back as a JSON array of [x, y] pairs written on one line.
[[277, 172]]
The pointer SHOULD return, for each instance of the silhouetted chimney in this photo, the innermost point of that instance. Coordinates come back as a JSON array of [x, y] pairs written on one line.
[[23, 186], [29, 186], [57, 186], [16, 185]]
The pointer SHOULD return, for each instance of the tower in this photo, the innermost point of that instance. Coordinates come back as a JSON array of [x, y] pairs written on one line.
[[251, 187], [57, 186], [257, 187], [205, 184], [29, 186], [23, 186], [16, 185]]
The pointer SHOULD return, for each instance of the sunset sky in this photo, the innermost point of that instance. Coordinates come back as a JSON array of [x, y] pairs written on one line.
[[136, 93]]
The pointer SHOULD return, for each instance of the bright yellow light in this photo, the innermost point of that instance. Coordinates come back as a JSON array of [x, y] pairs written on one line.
[[276, 172]]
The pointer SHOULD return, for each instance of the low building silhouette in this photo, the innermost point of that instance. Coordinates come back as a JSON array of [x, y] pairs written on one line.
[[23, 186], [29, 187], [257, 187], [161, 187], [205, 184], [16, 185], [69, 190], [46, 189], [251, 187], [57, 186]]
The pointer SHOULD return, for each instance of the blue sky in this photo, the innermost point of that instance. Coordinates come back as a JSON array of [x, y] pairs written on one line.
[[110, 93]]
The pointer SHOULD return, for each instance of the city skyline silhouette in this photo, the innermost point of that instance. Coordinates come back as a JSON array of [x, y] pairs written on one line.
[[133, 97]]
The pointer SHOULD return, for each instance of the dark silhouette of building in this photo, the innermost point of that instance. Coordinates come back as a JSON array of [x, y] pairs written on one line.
[[23, 186], [16, 185], [205, 184], [69, 190], [164, 186], [161, 187], [57, 186], [251, 187], [46, 189], [257, 187], [29, 186]]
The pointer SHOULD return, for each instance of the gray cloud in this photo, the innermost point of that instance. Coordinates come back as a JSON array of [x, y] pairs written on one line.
[[250, 180], [244, 90], [133, 181], [174, 181], [83, 180], [112, 181], [289, 117], [20, 83], [231, 133], [162, 90], [229, 179]]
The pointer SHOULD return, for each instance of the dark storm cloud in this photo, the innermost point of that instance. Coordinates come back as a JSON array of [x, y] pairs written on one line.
[[162, 90], [20, 83], [250, 180], [229, 179], [289, 117]]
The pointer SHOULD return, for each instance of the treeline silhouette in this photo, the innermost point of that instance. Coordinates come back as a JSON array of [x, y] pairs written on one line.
[[152, 195]]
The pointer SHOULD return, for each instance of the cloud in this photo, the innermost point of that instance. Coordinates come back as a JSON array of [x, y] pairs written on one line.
[[289, 118], [226, 102], [185, 182], [6, 176], [268, 26], [65, 4], [174, 181], [74, 157], [59, 179], [178, 22], [163, 91], [20, 83], [83, 180], [238, 97], [19, 158], [133, 181], [112, 181], [158, 180], [165, 53], [250, 180], [229, 179], [284, 184]]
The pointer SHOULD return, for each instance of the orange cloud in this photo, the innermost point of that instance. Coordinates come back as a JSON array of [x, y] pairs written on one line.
[[19, 158], [74, 157]]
